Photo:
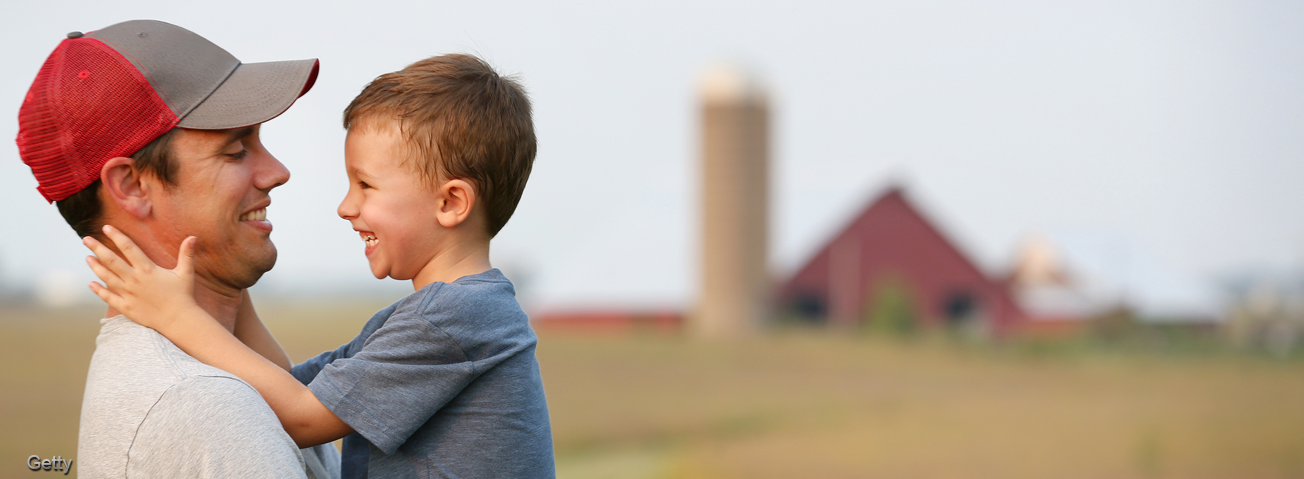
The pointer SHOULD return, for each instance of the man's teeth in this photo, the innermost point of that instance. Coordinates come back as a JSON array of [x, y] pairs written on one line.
[[255, 215]]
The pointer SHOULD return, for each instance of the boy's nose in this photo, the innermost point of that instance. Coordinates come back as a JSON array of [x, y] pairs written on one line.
[[347, 209]]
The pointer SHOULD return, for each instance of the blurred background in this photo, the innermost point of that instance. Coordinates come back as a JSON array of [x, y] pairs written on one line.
[[827, 239]]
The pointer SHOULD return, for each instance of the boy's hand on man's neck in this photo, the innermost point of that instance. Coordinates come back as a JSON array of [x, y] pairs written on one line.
[[222, 307], [219, 301]]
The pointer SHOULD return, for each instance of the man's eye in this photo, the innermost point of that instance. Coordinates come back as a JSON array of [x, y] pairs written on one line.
[[239, 155]]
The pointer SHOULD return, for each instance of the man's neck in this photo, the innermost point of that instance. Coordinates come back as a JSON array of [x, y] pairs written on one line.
[[219, 301], [222, 307]]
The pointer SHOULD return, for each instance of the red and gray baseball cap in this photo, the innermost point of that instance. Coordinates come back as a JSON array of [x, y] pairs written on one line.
[[110, 92]]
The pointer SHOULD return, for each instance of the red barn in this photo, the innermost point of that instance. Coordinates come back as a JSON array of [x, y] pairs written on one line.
[[890, 262]]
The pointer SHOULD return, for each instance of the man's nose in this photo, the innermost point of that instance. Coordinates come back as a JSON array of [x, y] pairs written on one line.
[[271, 174]]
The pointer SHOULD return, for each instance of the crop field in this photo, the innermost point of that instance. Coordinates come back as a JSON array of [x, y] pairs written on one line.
[[797, 404]]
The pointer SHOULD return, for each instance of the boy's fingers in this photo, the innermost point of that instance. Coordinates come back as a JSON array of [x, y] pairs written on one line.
[[93, 244], [99, 290], [110, 279], [107, 296], [186, 257], [96, 288], [106, 256], [128, 248], [90, 242]]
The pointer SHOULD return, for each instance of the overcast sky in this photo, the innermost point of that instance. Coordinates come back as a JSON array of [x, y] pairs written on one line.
[[1172, 130]]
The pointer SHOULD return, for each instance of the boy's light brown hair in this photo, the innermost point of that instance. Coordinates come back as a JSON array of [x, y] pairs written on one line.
[[459, 119]]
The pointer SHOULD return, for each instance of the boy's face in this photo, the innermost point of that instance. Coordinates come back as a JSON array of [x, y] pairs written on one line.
[[389, 206]]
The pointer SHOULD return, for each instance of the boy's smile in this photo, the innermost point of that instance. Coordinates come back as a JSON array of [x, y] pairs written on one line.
[[369, 238]]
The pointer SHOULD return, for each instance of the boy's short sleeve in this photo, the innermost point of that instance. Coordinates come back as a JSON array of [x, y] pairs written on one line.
[[406, 371], [306, 371]]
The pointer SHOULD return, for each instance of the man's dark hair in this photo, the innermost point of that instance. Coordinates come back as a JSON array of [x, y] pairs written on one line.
[[83, 210]]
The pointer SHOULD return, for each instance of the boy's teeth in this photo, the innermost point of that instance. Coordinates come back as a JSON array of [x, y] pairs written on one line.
[[370, 240], [255, 215]]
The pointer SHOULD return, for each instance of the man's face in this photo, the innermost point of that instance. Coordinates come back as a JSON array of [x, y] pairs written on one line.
[[221, 196]]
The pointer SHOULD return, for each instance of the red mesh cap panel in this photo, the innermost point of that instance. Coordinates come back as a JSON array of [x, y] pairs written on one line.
[[87, 105]]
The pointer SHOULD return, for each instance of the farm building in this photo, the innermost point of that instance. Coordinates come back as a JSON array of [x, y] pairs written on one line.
[[891, 267]]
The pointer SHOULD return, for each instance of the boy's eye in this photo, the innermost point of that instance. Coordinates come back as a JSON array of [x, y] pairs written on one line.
[[363, 185]]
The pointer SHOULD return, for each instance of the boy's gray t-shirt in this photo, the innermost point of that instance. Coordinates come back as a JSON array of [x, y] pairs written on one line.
[[151, 410], [443, 383]]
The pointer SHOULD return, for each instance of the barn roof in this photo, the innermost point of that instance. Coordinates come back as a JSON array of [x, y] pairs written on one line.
[[891, 244]]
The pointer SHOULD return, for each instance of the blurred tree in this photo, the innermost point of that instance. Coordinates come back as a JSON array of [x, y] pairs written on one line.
[[1115, 325], [891, 307]]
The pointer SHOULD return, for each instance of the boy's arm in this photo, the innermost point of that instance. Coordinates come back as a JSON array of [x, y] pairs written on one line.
[[164, 300], [302, 415], [249, 329]]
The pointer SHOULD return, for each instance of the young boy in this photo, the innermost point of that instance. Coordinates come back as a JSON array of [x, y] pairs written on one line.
[[443, 383]]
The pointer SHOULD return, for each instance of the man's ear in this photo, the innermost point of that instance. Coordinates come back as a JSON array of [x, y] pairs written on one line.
[[126, 187], [456, 200]]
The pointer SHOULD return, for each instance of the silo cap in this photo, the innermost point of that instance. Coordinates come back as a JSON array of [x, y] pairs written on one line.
[[724, 82]]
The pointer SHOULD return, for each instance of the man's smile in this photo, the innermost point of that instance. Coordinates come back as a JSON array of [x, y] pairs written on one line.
[[257, 219], [259, 214]]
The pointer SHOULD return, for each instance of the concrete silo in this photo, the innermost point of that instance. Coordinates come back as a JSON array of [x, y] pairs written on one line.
[[735, 284]]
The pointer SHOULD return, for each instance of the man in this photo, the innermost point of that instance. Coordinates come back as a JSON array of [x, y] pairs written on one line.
[[154, 130]]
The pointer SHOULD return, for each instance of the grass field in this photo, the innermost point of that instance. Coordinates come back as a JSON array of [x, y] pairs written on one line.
[[798, 404]]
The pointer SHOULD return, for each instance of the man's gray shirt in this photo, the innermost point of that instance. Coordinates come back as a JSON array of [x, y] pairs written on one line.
[[151, 410], [443, 383]]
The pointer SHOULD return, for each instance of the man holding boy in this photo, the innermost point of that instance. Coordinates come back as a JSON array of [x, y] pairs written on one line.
[[444, 383], [151, 128]]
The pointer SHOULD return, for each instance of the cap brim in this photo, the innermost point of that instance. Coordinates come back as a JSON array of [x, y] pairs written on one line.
[[254, 93]]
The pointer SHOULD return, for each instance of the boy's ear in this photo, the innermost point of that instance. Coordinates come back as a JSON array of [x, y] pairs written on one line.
[[126, 187], [456, 200]]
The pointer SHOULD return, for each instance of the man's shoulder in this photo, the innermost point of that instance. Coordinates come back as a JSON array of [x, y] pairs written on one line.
[[134, 370], [214, 393], [145, 399], [212, 404], [210, 425], [132, 359]]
